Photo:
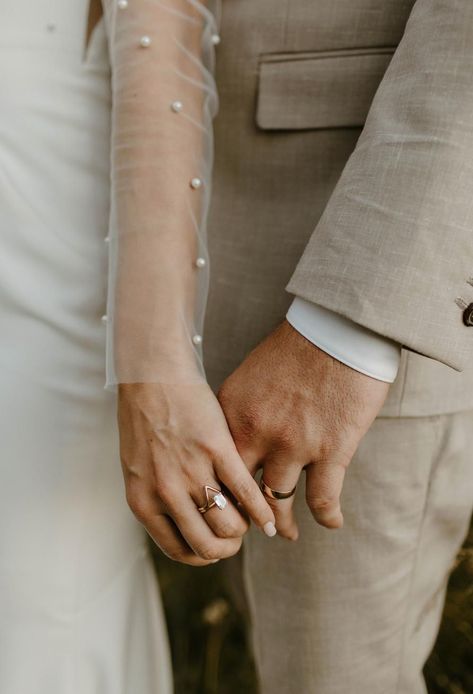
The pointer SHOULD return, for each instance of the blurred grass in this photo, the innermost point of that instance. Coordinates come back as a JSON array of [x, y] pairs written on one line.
[[211, 653], [449, 669]]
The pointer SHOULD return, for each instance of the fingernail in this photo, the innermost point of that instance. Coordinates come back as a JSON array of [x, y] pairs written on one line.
[[269, 529]]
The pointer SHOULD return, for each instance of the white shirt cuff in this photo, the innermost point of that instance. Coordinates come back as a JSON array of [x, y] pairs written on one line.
[[361, 349]]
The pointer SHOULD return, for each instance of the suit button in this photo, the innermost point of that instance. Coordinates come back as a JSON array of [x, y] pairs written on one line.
[[468, 315]]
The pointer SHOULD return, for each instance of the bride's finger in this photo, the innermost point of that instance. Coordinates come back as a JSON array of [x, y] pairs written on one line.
[[236, 477], [194, 529], [223, 518], [168, 538]]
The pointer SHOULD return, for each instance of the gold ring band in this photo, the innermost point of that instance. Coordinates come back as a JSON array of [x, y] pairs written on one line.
[[273, 493], [217, 500]]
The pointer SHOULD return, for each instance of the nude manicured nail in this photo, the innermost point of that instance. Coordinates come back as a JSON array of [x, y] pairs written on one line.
[[269, 529]]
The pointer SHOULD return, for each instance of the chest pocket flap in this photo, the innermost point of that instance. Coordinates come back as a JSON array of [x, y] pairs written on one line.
[[332, 89]]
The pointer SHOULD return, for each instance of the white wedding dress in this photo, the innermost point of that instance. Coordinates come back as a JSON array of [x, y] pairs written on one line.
[[80, 611]]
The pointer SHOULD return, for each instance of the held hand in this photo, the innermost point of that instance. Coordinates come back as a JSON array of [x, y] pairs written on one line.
[[173, 442], [291, 406]]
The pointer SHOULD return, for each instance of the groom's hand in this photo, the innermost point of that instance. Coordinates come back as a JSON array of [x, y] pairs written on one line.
[[290, 406]]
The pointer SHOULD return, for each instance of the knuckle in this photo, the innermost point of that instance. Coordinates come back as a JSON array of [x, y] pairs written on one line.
[[285, 438], [209, 552], [335, 451], [243, 489], [140, 511], [237, 544], [165, 492], [247, 423], [228, 530], [320, 504], [251, 420], [175, 554], [138, 504], [230, 548], [179, 555]]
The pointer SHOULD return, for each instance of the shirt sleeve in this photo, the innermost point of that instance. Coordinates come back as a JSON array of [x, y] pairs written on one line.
[[163, 101], [361, 349]]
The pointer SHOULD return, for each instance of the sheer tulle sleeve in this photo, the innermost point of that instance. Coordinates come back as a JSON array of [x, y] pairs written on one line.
[[164, 100]]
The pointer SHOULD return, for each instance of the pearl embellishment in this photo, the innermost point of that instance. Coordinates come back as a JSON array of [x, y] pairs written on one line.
[[122, 4], [145, 42], [107, 239], [200, 262], [196, 183], [104, 319], [215, 39], [197, 339], [177, 106]]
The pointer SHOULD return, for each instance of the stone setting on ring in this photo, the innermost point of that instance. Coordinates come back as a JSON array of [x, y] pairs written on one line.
[[218, 499]]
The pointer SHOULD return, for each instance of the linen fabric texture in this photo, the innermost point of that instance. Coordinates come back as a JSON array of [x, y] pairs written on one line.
[[355, 610], [358, 610], [394, 247], [295, 90]]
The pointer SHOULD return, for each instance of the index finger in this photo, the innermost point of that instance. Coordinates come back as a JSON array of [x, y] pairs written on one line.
[[232, 471]]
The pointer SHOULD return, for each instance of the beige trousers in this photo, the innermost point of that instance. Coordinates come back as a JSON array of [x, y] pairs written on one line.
[[356, 611]]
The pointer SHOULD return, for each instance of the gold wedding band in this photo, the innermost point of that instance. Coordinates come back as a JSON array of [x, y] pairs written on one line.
[[217, 500], [273, 493]]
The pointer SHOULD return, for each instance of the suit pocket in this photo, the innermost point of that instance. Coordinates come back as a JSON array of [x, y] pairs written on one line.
[[331, 89]]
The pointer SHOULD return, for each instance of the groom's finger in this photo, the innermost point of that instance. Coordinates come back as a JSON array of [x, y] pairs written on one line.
[[324, 484], [282, 475]]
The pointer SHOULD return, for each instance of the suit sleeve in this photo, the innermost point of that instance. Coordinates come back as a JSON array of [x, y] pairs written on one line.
[[393, 250], [163, 101]]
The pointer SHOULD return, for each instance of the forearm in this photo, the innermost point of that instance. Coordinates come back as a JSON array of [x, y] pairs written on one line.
[[393, 250], [164, 99]]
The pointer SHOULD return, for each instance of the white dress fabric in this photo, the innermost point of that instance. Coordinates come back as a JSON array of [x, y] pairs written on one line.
[[80, 610]]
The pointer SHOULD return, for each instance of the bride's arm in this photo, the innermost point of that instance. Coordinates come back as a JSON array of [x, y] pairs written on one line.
[[164, 98], [174, 437]]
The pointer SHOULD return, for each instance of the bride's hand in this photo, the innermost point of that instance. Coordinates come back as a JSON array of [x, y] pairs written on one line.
[[174, 440]]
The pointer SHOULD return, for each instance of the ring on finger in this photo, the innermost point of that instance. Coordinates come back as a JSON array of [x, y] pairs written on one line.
[[218, 499], [273, 493]]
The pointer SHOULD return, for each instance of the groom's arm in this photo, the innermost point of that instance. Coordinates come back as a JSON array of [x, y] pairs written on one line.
[[361, 349], [393, 253]]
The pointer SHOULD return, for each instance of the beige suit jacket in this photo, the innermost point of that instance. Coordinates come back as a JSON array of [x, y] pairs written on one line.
[[353, 118]]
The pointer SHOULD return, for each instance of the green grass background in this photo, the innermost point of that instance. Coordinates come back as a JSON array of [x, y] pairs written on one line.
[[210, 649]]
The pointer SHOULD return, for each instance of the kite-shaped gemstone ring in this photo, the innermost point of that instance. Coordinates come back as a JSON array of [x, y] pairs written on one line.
[[213, 497]]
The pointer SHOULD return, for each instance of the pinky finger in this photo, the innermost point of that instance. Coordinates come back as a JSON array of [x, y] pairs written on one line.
[[166, 535], [324, 482]]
